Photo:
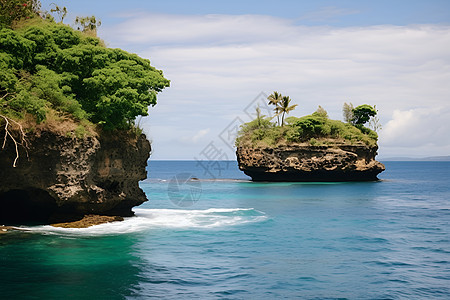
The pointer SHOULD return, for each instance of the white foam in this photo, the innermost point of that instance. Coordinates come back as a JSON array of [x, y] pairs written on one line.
[[147, 219]]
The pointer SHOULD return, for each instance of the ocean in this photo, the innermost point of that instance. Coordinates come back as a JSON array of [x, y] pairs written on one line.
[[207, 232]]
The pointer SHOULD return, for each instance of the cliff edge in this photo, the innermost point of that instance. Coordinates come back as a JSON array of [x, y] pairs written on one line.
[[64, 178], [310, 163], [71, 102]]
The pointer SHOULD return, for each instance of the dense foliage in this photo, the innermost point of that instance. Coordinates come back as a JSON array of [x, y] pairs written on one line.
[[314, 129], [50, 66], [14, 10], [362, 114]]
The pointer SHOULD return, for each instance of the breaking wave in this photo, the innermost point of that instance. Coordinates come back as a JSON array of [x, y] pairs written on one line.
[[164, 218]]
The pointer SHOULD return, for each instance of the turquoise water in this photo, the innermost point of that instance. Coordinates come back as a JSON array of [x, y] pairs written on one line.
[[234, 239]]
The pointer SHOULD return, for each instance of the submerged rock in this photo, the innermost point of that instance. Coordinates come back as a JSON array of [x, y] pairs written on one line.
[[88, 221], [72, 176], [310, 163], [5, 229]]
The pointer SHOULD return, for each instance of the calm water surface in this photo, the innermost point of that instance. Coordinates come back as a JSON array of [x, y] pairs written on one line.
[[234, 239]]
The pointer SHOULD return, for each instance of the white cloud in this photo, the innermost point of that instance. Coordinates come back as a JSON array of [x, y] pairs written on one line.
[[217, 64], [193, 29], [418, 127], [199, 135]]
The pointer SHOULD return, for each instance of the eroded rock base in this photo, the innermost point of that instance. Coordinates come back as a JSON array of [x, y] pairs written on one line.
[[305, 163], [324, 176]]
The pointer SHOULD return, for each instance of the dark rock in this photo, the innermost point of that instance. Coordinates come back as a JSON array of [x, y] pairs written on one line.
[[65, 176], [310, 163]]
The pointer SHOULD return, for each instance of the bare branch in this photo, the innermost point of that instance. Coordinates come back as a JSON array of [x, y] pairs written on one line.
[[6, 131], [22, 142]]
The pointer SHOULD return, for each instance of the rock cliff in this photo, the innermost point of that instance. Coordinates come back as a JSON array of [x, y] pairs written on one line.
[[64, 178], [310, 163]]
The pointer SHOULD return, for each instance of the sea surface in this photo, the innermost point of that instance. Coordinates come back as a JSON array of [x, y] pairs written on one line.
[[207, 232]]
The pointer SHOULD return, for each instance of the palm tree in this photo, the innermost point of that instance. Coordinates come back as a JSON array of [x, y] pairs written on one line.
[[275, 99], [285, 108]]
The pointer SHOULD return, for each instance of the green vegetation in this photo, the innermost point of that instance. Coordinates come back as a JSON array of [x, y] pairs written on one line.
[[362, 114], [48, 68], [275, 99], [315, 129], [14, 10], [282, 105], [347, 112]]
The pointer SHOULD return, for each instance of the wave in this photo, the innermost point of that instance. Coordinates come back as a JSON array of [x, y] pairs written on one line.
[[146, 219]]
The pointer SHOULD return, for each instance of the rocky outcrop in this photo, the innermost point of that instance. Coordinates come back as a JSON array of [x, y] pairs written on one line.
[[310, 163], [64, 178]]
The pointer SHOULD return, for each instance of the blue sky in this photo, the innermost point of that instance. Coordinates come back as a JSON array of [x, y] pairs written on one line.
[[319, 12], [221, 55]]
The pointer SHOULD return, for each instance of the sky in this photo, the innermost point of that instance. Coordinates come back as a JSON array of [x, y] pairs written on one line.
[[224, 57]]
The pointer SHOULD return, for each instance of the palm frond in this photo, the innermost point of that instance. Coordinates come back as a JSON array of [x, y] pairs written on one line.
[[274, 98]]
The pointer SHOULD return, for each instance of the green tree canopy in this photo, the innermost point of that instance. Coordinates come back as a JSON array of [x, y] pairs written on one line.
[[53, 66], [303, 130], [362, 114]]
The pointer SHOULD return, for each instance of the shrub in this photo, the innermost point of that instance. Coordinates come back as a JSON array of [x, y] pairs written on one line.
[[320, 112], [311, 126]]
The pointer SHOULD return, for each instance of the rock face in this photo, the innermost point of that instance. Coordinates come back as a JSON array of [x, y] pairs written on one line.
[[310, 163], [65, 177]]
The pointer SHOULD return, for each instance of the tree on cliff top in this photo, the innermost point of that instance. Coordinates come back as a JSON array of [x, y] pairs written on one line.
[[282, 106], [347, 112], [285, 108], [50, 66], [275, 99], [88, 24], [362, 114], [315, 129]]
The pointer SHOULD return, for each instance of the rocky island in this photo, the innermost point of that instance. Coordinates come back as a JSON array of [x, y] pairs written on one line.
[[311, 148], [342, 162], [69, 147]]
